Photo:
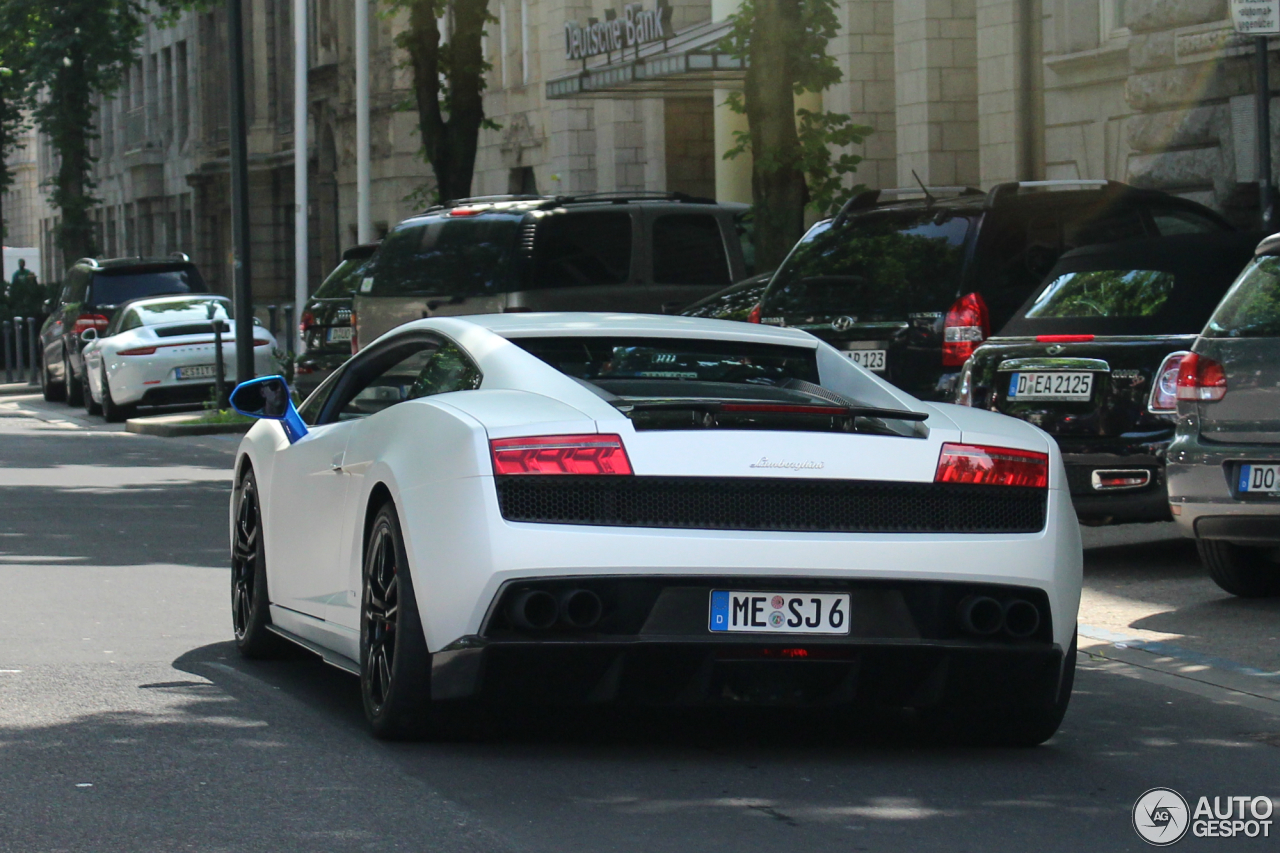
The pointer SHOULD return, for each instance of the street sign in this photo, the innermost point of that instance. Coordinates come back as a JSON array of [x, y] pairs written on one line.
[[1256, 17]]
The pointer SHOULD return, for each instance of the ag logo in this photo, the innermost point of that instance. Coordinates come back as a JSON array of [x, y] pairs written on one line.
[[843, 324], [1161, 817]]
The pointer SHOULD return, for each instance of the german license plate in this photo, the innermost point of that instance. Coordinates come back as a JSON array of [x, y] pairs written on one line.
[[871, 359], [1260, 479], [199, 371], [1051, 386], [340, 334], [779, 612]]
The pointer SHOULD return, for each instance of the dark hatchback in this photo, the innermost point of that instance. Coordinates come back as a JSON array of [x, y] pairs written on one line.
[[909, 289], [1092, 358], [325, 322], [91, 293]]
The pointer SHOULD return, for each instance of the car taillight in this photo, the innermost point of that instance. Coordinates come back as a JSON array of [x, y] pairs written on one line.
[[308, 320], [1164, 391], [1201, 378], [967, 325], [259, 342], [90, 321], [138, 351], [560, 454], [754, 316], [992, 466], [355, 334]]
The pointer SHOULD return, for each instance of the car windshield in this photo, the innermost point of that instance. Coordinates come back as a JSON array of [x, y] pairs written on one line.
[[1252, 307], [181, 311], [883, 264], [451, 256], [112, 288], [343, 281], [660, 367], [1103, 293]]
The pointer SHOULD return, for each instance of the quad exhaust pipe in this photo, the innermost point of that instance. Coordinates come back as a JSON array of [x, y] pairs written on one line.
[[539, 610], [983, 616]]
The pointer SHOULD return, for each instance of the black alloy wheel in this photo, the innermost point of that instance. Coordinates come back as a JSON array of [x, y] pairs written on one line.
[[250, 615], [53, 392], [395, 666], [74, 388], [112, 412]]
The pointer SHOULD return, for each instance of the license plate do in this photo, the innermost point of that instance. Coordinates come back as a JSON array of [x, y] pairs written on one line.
[[779, 612], [1260, 479], [340, 334], [199, 371], [871, 359], [1050, 386]]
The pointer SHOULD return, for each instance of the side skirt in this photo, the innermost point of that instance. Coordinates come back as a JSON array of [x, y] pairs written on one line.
[[329, 656]]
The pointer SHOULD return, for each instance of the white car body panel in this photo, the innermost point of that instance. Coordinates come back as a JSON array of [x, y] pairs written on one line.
[[431, 455]]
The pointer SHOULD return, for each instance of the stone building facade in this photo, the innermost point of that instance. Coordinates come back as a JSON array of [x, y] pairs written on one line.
[[1157, 93]]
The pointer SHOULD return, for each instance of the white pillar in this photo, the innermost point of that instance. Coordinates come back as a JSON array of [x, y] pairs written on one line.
[[733, 177], [299, 167], [364, 219]]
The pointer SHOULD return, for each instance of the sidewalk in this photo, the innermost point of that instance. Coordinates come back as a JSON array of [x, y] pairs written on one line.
[[11, 389]]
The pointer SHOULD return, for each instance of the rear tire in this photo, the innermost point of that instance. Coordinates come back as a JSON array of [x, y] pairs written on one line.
[[75, 390], [395, 666], [1249, 572], [90, 405], [111, 411], [53, 392], [250, 598]]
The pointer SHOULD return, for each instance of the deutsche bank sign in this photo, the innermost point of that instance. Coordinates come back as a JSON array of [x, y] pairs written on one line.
[[634, 28]]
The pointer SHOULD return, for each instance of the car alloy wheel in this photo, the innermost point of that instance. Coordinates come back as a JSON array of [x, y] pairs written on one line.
[[74, 388], [52, 391], [382, 597], [91, 406], [111, 410], [250, 614]]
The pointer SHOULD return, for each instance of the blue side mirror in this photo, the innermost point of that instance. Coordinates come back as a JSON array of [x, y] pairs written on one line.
[[268, 397]]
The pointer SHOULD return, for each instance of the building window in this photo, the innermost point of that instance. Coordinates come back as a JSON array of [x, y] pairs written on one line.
[[1111, 26]]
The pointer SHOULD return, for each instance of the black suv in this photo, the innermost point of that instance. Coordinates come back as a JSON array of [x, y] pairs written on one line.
[[910, 288], [326, 321], [91, 291], [653, 253]]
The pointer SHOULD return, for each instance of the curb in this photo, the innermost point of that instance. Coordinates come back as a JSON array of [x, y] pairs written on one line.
[[14, 389], [149, 426]]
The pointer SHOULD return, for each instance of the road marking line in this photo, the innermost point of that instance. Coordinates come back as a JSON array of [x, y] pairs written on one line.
[[1170, 651]]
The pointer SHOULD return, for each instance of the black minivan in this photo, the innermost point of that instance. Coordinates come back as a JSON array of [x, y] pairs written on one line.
[[91, 291], [910, 288], [641, 253]]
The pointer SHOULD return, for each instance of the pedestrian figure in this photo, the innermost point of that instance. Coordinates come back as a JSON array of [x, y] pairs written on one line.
[[24, 296]]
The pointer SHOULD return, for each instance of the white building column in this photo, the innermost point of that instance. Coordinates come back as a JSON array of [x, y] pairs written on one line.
[[733, 177], [364, 216], [299, 166]]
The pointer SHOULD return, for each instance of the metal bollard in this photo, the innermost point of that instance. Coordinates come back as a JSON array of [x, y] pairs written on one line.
[[17, 348], [33, 362], [8, 351], [271, 319], [290, 334]]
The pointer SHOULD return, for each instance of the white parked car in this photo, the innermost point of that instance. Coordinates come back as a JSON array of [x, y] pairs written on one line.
[[651, 509], [160, 351]]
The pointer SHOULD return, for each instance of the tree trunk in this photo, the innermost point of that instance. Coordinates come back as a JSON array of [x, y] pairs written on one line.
[[449, 142], [70, 135], [778, 189]]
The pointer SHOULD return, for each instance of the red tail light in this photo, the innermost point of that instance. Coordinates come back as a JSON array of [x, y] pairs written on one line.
[[90, 321], [355, 334], [1201, 378], [258, 342], [967, 325], [560, 454], [992, 466], [1063, 339], [138, 351], [1164, 390], [308, 320], [754, 316]]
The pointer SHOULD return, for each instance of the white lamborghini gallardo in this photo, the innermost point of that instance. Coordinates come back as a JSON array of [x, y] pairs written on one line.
[[645, 509]]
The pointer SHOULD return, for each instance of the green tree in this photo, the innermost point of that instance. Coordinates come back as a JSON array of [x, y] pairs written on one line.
[[15, 95], [448, 85], [79, 50], [784, 43]]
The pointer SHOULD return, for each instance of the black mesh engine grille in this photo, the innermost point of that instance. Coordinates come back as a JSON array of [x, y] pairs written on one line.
[[839, 506]]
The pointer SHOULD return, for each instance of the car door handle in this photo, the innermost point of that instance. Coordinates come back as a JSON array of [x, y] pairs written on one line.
[[336, 464]]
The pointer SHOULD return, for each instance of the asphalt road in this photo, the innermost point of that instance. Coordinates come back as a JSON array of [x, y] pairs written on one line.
[[127, 722]]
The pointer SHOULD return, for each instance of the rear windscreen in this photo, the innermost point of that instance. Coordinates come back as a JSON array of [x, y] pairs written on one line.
[[880, 265], [112, 288], [450, 256], [343, 281], [1103, 293], [1252, 308], [672, 366]]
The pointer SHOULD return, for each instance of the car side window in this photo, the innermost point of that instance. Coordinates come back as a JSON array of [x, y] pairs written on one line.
[[582, 249], [1172, 222], [688, 249], [447, 369], [131, 321], [394, 383]]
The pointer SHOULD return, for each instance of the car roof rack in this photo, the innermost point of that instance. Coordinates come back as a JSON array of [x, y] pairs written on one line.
[[1011, 188], [543, 202], [870, 198]]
